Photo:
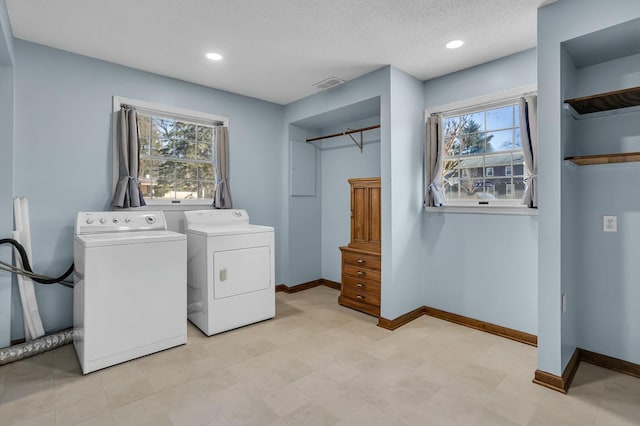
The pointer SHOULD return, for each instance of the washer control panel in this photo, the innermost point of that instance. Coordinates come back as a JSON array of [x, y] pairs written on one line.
[[119, 221], [217, 217]]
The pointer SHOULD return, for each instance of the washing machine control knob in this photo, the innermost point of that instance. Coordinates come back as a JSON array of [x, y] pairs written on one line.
[[150, 219], [103, 220], [116, 220], [127, 219], [90, 220]]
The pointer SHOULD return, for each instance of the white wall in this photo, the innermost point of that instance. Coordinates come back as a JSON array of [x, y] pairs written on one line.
[[482, 266]]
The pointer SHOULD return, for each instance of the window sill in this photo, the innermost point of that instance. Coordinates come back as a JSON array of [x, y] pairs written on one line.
[[518, 211], [173, 207]]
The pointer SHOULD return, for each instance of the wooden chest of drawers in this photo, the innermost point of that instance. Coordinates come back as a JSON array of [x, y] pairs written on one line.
[[360, 280]]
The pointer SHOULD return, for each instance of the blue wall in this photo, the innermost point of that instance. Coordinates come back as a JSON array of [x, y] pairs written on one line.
[[608, 268], [341, 160], [483, 266], [304, 243], [404, 276], [6, 168], [557, 23], [375, 84], [63, 151]]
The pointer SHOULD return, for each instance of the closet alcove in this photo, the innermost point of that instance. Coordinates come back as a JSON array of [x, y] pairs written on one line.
[[344, 143], [601, 148]]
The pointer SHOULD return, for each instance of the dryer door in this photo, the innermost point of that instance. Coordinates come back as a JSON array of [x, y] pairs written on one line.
[[241, 271]]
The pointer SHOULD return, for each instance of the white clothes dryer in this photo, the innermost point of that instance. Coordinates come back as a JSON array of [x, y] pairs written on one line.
[[130, 292], [230, 270]]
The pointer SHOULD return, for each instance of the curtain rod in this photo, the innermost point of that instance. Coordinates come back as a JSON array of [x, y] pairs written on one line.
[[347, 132], [175, 116], [486, 105]]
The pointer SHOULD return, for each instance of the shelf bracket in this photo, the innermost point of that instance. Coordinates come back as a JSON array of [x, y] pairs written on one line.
[[360, 144]]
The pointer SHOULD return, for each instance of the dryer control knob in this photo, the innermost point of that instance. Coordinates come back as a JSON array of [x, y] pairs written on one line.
[[116, 220], [127, 219], [150, 219], [103, 220], [90, 220]]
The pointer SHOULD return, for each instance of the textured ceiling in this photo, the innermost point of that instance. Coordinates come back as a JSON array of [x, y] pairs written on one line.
[[276, 49]]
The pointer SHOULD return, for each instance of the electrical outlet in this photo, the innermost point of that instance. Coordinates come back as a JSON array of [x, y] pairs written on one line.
[[610, 223], [564, 303]]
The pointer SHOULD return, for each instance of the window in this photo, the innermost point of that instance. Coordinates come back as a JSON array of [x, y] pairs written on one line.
[[175, 153], [483, 155], [175, 159]]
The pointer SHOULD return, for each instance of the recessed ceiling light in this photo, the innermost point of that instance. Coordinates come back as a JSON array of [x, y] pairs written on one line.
[[214, 56], [454, 44]]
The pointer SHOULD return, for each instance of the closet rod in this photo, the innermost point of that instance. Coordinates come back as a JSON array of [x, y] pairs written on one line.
[[348, 132]]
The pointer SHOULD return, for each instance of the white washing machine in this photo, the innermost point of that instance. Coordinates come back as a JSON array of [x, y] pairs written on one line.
[[230, 270], [130, 293]]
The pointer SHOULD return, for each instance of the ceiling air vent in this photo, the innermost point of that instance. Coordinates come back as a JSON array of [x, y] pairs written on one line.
[[329, 82]]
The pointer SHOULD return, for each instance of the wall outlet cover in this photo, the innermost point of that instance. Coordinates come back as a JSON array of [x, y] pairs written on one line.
[[610, 223]]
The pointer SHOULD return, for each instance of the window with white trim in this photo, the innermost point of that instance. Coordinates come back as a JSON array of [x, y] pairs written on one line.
[[483, 162], [175, 153]]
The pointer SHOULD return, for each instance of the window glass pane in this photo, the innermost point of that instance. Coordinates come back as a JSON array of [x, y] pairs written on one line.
[[205, 134], [163, 188], [186, 170], [145, 169], [473, 143], [187, 131], [203, 151], [502, 187], [186, 189], [452, 125], [205, 190], [163, 145], [518, 164], [500, 141], [517, 142], [500, 118], [475, 122], [452, 146], [205, 171]]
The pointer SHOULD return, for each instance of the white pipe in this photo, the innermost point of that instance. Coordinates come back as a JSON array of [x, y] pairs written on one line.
[[33, 327]]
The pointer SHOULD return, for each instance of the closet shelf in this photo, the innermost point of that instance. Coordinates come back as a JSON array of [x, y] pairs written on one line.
[[588, 160], [617, 99]]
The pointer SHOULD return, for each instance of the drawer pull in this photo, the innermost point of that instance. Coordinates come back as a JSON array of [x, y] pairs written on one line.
[[360, 285], [359, 297], [360, 273], [360, 261]]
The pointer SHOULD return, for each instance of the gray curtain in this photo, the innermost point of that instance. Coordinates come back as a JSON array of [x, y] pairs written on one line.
[[529, 135], [127, 192], [222, 196], [434, 154]]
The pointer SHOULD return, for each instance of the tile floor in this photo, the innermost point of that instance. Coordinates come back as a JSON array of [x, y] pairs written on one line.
[[317, 364]]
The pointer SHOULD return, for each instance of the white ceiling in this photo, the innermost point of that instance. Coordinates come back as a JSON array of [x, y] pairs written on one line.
[[276, 49]]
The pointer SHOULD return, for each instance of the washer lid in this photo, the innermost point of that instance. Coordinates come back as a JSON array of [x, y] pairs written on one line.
[[209, 231], [135, 237]]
